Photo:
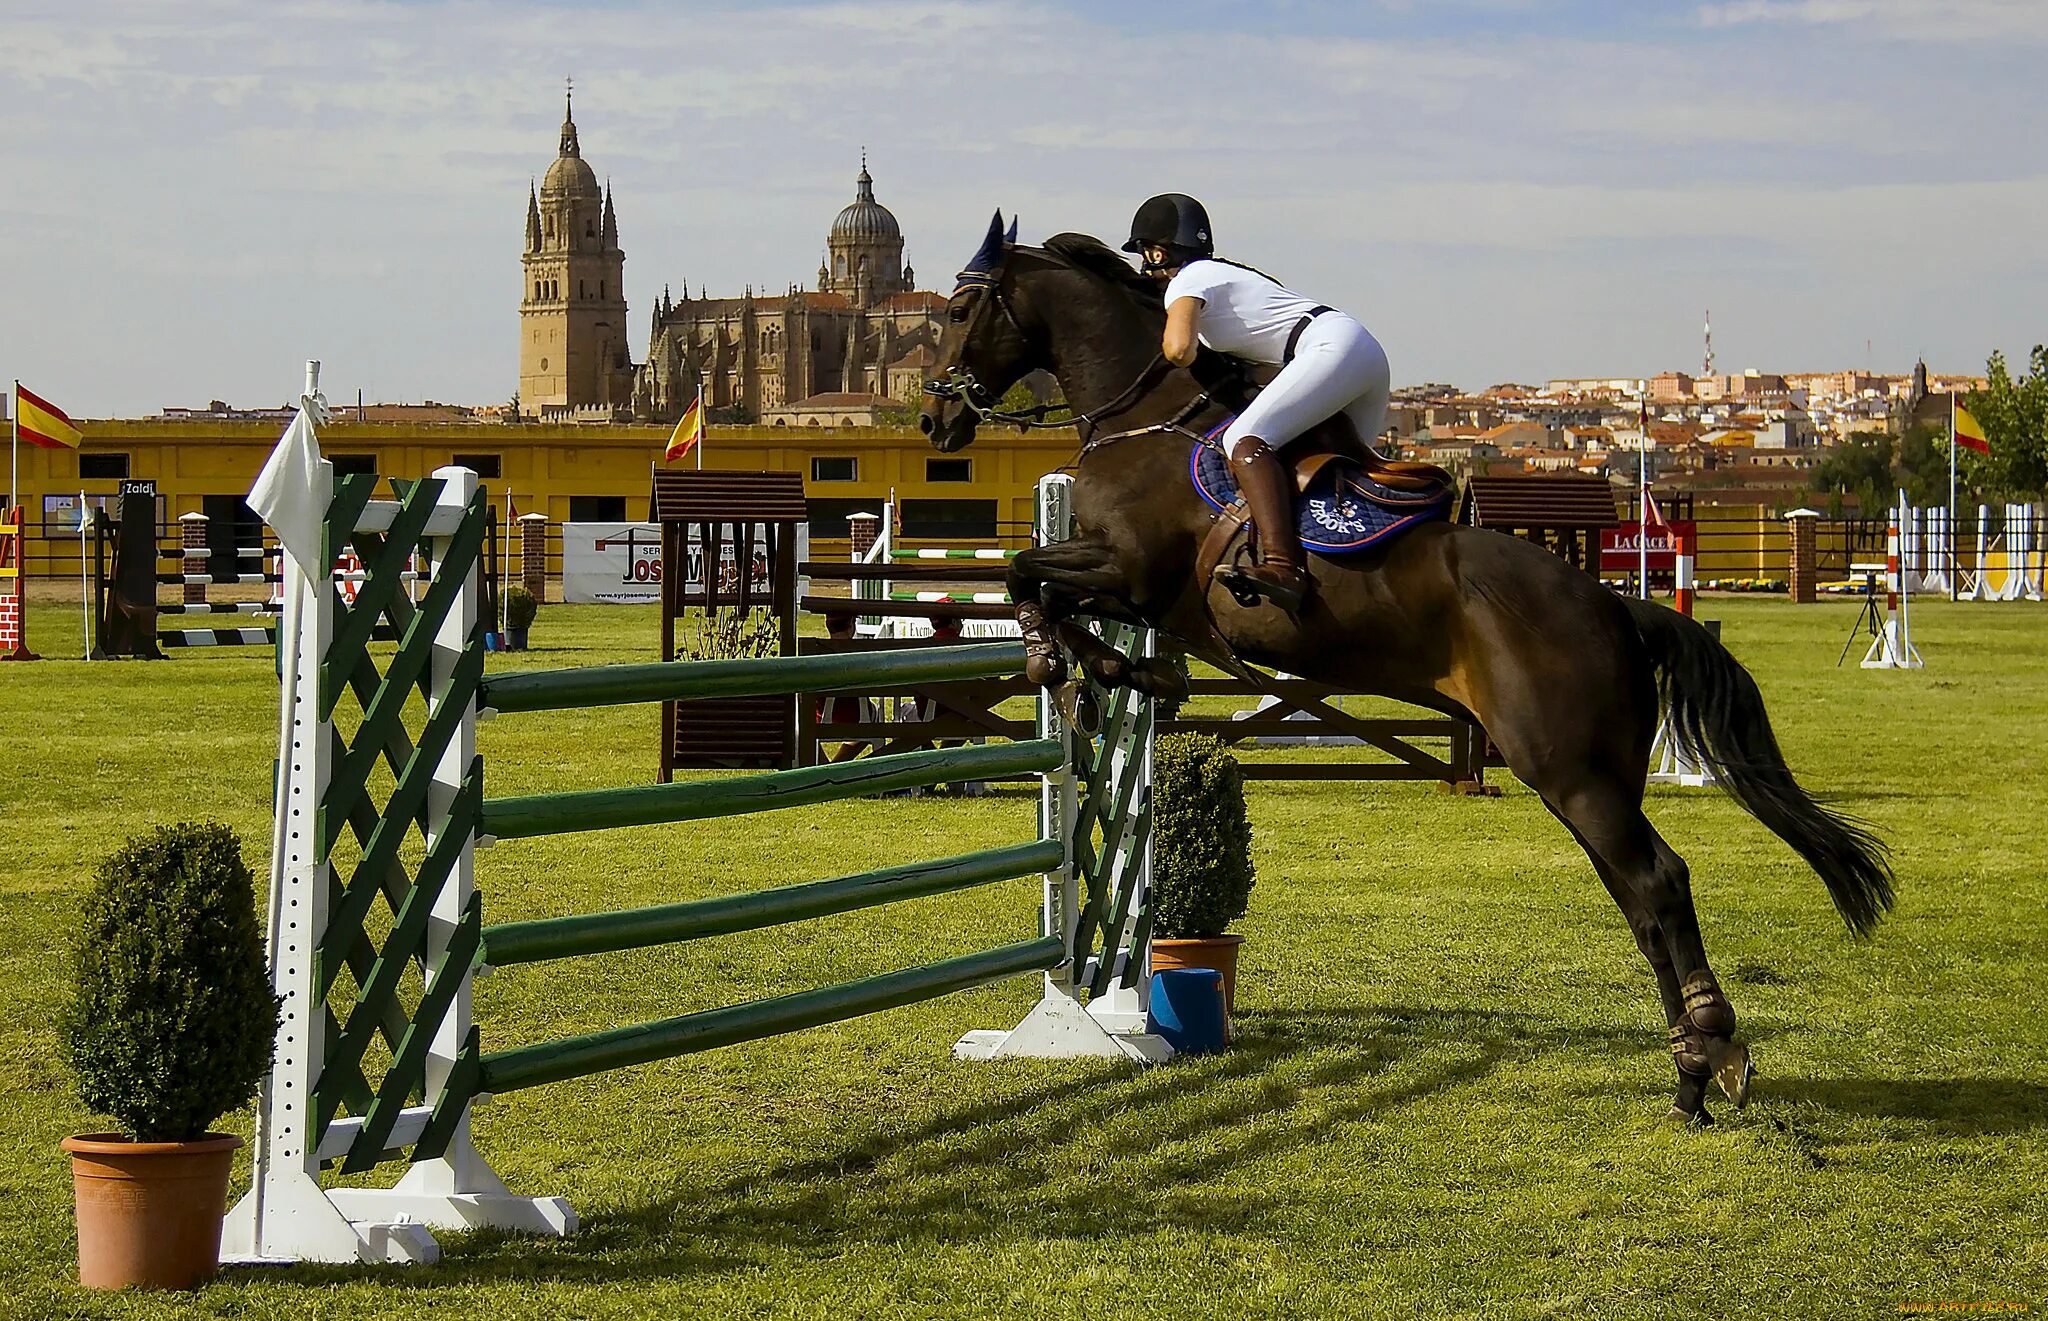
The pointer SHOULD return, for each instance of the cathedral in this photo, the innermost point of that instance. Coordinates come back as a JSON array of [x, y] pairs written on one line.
[[863, 330]]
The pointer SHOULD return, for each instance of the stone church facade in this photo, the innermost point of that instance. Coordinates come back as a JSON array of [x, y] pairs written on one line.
[[864, 329]]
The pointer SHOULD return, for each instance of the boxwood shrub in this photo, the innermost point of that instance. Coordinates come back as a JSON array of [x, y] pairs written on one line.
[[1201, 838], [172, 1019]]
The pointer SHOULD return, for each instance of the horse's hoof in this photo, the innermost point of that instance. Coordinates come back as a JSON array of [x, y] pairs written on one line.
[[1159, 678], [1078, 707], [1692, 1119], [1733, 1071]]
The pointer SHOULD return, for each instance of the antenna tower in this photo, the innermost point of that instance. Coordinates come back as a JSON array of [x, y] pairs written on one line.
[[1707, 366]]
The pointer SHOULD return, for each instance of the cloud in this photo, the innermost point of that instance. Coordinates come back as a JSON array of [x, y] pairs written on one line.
[[1896, 20], [202, 196]]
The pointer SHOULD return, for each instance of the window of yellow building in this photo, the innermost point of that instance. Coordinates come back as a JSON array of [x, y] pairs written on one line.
[[949, 470], [834, 469]]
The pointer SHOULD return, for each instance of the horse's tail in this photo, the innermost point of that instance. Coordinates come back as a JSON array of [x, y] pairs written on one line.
[[1717, 716]]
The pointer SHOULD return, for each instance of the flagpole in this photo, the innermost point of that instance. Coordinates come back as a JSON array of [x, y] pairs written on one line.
[[84, 592], [703, 426], [1643, 507], [1953, 569], [14, 463]]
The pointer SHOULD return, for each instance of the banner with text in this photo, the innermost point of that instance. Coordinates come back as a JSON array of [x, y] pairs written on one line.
[[611, 563], [1621, 546], [620, 563]]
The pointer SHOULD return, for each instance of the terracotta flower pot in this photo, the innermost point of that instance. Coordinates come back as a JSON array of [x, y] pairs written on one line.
[[149, 1213], [1218, 952]]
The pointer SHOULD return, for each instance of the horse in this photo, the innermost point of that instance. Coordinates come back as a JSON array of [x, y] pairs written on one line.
[[1567, 678]]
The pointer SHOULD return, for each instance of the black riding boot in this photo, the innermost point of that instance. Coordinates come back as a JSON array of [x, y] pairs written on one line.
[[1281, 573]]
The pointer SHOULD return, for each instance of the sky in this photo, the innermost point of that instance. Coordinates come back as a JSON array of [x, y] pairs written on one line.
[[195, 197]]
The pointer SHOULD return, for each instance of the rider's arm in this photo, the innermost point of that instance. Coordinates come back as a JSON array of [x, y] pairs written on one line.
[[1183, 320]]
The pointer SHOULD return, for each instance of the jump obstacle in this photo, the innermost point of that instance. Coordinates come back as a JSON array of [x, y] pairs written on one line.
[[127, 584], [1891, 643], [348, 982]]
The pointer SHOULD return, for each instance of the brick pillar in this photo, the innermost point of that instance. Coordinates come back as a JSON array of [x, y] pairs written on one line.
[[14, 587], [533, 555], [1805, 555], [863, 529], [192, 536]]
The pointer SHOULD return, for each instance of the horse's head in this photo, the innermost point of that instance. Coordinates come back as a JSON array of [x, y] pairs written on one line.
[[983, 350]]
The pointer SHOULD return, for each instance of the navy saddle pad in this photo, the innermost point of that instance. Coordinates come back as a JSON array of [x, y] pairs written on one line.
[[1342, 511]]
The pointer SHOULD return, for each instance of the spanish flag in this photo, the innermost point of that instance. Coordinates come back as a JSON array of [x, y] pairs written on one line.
[[42, 423], [1970, 432], [689, 430]]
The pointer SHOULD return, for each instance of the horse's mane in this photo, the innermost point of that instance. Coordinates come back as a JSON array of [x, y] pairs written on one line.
[[1091, 254]]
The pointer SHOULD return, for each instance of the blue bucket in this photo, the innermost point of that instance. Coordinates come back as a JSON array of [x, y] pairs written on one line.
[[1187, 1010]]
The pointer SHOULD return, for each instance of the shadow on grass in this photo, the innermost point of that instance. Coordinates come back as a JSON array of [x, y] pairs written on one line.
[[1961, 1107], [1099, 1152]]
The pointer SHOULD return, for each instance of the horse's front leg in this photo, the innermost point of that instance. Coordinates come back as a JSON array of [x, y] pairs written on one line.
[[1155, 676], [1048, 583]]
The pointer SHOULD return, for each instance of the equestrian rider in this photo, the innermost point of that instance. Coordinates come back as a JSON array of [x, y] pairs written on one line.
[[1328, 362]]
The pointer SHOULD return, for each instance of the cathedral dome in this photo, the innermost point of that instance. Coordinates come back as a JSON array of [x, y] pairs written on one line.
[[865, 220], [571, 175]]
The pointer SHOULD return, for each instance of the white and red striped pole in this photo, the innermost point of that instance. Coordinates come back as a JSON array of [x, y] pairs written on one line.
[[1681, 568], [1891, 564]]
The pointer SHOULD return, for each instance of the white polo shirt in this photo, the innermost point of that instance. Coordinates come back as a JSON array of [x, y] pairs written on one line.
[[1243, 312]]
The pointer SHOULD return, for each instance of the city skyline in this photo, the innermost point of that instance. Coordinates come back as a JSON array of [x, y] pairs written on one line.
[[1503, 191]]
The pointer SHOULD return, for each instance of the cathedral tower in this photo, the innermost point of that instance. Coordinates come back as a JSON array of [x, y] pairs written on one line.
[[864, 252], [572, 312]]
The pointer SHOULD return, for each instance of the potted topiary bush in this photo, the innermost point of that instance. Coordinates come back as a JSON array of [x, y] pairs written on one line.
[[520, 608], [1201, 856], [170, 1026]]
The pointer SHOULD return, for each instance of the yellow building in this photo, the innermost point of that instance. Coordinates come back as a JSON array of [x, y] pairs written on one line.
[[571, 473]]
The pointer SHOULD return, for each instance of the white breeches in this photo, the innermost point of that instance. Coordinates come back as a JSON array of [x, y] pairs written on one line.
[[1338, 367]]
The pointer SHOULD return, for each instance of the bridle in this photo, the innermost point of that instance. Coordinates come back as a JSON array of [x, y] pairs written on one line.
[[960, 386]]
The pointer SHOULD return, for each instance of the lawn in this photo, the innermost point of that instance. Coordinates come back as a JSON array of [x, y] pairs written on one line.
[[1446, 1098]]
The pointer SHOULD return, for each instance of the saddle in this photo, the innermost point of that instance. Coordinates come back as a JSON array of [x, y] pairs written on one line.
[[1345, 502]]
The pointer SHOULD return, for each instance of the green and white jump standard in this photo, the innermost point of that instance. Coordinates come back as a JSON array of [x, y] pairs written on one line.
[[387, 812]]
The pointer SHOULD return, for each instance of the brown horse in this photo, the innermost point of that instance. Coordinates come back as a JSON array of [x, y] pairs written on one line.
[[1567, 678]]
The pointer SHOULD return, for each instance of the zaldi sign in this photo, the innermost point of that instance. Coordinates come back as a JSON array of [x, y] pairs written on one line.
[[1621, 547], [620, 564]]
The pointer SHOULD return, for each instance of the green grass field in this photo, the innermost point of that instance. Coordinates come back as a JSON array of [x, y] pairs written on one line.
[[1447, 1096]]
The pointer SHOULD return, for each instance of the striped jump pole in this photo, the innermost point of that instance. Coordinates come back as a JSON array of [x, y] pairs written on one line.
[[379, 1057], [1892, 648], [1685, 548]]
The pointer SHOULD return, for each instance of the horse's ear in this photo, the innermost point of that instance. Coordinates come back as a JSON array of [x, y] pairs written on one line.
[[1011, 237], [990, 255]]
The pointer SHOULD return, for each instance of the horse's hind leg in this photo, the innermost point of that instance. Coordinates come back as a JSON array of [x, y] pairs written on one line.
[[1610, 823], [1690, 1102]]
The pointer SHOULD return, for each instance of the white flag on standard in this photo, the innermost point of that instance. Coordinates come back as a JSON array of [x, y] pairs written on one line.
[[289, 493]]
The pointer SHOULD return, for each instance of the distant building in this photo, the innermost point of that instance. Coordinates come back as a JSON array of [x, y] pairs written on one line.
[[864, 329]]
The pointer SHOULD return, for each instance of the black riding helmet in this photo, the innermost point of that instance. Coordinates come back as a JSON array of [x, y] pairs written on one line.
[[1173, 221]]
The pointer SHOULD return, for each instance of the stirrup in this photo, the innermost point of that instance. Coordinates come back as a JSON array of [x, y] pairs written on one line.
[[1249, 588]]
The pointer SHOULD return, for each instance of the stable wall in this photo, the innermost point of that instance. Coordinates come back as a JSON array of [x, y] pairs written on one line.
[[545, 466]]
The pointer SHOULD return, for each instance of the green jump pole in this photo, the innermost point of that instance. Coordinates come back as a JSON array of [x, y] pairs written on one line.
[[604, 933], [697, 800], [760, 676], [530, 1066]]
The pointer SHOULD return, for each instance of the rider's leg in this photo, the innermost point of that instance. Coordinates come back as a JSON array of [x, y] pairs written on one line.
[[1336, 363], [1368, 412], [1281, 571]]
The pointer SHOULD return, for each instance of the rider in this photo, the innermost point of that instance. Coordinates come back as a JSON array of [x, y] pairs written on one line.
[[1328, 362]]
